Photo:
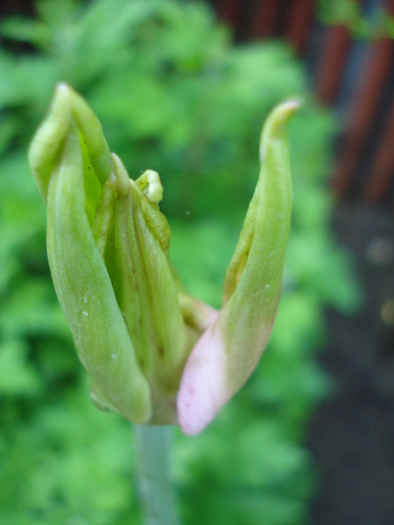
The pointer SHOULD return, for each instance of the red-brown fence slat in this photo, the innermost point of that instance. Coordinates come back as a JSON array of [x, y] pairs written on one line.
[[332, 64], [382, 169], [298, 23], [374, 75], [228, 11], [265, 19]]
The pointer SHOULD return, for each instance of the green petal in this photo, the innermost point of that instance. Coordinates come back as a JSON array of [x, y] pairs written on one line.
[[85, 291], [249, 315], [92, 132], [230, 348], [146, 293]]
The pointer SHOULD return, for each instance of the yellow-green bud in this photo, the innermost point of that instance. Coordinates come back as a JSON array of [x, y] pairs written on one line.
[[154, 353]]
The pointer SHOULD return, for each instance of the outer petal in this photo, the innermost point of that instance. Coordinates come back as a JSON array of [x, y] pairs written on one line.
[[85, 291], [229, 350]]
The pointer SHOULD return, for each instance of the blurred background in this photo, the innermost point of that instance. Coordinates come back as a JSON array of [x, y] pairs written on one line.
[[183, 88]]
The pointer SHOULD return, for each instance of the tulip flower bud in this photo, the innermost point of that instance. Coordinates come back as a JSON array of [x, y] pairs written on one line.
[[154, 353]]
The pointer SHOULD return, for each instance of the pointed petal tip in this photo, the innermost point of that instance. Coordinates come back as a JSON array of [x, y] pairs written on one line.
[[61, 95], [62, 86], [282, 112], [291, 105], [47, 139], [276, 122]]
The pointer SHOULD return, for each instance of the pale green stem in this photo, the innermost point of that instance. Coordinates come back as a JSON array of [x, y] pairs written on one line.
[[158, 497]]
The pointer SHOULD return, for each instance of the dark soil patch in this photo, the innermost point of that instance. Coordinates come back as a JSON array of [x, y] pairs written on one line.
[[352, 433]]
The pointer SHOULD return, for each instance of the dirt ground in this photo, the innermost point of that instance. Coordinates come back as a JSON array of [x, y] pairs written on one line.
[[352, 434]]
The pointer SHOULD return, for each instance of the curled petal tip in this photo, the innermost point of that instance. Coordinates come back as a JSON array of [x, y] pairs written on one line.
[[62, 86], [292, 103], [154, 192], [286, 108], [276, 123], [45, 146]]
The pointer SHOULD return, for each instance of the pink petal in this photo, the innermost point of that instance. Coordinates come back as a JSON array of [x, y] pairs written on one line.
[[203, 389]]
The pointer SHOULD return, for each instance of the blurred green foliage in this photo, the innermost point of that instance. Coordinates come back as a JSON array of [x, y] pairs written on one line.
[[351, 14], [176, 96]]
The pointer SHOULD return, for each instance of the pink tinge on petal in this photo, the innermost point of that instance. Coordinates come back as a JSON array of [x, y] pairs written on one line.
[[203, 389]]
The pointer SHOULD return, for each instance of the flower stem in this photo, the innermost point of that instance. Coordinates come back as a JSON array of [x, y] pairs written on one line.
[[157, 493]]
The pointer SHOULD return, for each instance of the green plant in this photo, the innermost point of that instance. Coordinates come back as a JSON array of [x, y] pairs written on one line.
[[350, 14], [174, 95]]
